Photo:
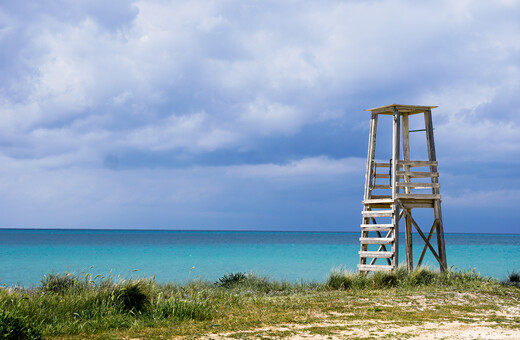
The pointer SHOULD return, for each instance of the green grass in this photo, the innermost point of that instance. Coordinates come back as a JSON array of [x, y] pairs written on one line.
[[67, 305]]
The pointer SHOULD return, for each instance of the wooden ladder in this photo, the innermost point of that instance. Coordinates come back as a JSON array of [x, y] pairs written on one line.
[[379, 239]]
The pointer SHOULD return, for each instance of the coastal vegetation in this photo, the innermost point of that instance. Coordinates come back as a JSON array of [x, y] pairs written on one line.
[[244, 305]]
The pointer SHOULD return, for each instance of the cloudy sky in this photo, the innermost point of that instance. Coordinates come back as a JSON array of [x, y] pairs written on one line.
[[249, 115]]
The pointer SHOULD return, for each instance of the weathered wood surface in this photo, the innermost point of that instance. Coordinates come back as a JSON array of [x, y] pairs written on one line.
[[376, 240], [410, 109], [417, 185], [370, 154], [419, 196], [430, 141], [377, 213], [376, 254], [416, 164], [377, 227], [374, 267], [418, 174]]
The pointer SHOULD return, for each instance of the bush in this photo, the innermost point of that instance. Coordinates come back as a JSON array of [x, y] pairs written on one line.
[[58, 283], [340, 280], [231, 280], [514, 277], [423, 277], [385, 279], [132, 296], [12, 328]]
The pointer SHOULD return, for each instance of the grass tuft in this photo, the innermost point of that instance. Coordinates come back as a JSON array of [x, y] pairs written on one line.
[[231, 279], [13, 328], [58, 283], [514, 276], [132, 296]]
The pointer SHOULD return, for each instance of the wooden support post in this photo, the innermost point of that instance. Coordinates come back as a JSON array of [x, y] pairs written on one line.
[[370, 155], [437, 204], [408, 223], [395, 158], [368, 177]]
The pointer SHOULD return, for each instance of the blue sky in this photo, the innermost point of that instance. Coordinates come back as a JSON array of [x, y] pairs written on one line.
[[249, 115]]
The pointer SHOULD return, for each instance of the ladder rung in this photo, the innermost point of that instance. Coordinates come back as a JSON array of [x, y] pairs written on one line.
[[382, 175], [377, 213], [376, 240], [420, 196], [376, 254], [374, 267], [417, 185], [377, 227], [382, 165], [416, 174], [417, 163], [372, 201], [382, 186]]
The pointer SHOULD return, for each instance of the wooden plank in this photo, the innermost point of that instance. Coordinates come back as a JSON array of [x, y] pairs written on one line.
[[407, 190], [382, 176], [380, 196], [377, 213], [382, 165], [382, 186], [410, 109], [418, 174], [369, 174], [420, 196], [378, 201], [377, 227], [415, 164], [408, 240], [395, 149], [376, 254], [418, 203], [417, 185], [370, 154], [376, 240], [440, 234], [395, 246], [374, 267], [437, 204]]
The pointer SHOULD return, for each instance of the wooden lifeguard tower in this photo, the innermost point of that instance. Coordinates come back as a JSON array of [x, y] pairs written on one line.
[[391, 192]]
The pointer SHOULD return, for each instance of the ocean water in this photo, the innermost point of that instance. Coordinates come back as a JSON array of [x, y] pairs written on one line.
[[180, 256]]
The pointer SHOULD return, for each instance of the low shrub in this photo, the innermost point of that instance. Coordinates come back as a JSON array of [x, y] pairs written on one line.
[[231, 279], [384, 279], [423, 277], [514, 276], [13, 328], [58, 283], [340, 279], [132, 296]]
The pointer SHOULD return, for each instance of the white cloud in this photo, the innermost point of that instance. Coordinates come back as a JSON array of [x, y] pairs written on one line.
[[310, 168], [83, 81], [501, 198]]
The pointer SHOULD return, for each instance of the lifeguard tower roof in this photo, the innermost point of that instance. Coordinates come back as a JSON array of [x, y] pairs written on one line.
[[410, 109]]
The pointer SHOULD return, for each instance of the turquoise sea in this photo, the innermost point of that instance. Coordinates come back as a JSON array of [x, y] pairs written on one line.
[[26, 255]]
